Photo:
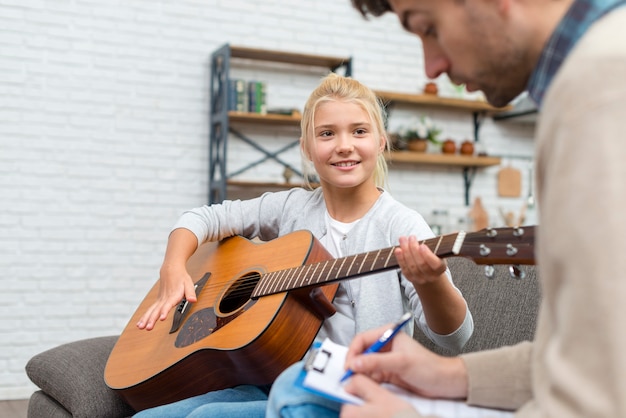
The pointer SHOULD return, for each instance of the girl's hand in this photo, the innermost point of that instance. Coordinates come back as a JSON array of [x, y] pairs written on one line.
[[418, 263], [175, 283]]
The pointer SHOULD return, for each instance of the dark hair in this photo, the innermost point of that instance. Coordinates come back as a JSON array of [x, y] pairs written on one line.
[[373, 7]]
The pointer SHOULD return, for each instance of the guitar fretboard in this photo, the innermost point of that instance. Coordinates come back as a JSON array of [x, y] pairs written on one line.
[[343, 268]]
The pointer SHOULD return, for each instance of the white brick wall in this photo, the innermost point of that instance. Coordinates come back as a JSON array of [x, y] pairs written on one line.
[[103, 142]]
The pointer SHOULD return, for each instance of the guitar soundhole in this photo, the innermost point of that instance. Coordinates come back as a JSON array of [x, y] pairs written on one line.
[[234, 301], [238, 295]]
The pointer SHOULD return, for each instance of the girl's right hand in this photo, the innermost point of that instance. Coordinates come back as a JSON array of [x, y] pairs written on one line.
[[175, 282], [174, 285]]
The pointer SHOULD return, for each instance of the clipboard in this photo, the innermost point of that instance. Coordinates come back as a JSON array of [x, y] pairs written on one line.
[[324, 367], [322, 372]]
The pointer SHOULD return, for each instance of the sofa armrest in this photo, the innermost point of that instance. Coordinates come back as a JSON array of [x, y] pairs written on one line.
[[73, 375]]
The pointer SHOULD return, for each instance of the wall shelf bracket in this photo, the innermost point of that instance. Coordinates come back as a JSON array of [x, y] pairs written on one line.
[[468, 177]]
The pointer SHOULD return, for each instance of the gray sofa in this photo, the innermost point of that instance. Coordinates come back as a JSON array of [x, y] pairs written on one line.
[[70, 377]]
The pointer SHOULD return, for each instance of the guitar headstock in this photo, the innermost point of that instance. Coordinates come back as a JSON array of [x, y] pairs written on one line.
[[500, 246]]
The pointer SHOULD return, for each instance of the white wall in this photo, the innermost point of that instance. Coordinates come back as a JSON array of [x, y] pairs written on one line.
[[103, 142]]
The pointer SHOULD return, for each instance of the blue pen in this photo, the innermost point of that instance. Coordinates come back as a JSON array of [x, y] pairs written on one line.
[[384, 339]]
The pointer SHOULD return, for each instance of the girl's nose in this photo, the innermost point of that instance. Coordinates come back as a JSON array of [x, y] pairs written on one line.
[[344, 143]]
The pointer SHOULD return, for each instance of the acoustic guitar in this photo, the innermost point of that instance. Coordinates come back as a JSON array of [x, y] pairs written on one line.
[[259, 308]]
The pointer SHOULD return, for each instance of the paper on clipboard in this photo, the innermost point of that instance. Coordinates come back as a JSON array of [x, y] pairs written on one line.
[[324, 368], [323, 371]]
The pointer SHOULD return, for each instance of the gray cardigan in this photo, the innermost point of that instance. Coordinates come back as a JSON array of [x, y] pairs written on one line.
[[383, 297]]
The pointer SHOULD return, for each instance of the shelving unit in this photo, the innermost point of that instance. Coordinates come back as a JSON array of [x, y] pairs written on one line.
[[221, 119], [469, 164]]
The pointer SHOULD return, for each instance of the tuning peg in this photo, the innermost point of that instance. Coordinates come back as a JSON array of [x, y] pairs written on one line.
[[489, 271], [511, 250], [516, 272], [491, 232], [484, 250], [518, 232]]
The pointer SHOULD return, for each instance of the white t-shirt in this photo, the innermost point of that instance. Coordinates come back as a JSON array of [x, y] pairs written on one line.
[[340, 327]]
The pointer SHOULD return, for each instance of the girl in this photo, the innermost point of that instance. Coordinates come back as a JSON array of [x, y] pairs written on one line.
[[344, 139]]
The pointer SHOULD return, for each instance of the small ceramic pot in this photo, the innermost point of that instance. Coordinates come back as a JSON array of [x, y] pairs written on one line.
[[448, 146], [431, 88], [417, 145], [467, 147]]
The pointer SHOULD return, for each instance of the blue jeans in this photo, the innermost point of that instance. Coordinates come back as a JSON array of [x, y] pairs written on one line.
[[289, 401], [245, 401]]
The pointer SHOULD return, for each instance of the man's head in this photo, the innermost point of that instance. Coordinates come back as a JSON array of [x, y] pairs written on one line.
[[488, 45], [373, 7]]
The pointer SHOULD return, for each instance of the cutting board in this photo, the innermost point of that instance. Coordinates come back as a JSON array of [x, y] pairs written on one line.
[[509, 182]]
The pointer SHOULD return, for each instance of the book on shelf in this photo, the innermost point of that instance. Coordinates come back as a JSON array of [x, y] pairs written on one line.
[[237, 95], [324, 368], [257, 102]]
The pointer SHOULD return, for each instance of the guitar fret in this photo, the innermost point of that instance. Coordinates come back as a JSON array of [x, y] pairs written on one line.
[[331, 271], [391, 252], [274, 284], [340, 269], [362, 262], [303, 275], [281, 278], [438, 244], [312, 275], [374, 261], [265, 282], [349, 272]]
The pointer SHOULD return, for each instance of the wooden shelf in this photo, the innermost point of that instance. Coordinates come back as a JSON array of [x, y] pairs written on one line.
[[265, 119], [443, 159], [287, 57], [437, 101]]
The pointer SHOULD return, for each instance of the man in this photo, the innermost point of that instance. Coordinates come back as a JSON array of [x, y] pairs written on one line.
[[571, 57]]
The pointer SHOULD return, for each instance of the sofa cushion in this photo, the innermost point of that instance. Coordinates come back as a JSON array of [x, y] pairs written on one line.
[[42, 405], [73, 375]]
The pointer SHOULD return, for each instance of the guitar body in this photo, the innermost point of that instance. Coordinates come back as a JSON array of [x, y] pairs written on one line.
[[225, 338]]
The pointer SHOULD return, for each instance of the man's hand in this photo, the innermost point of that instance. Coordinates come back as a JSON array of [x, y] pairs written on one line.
[[378, 401], [407, 364]]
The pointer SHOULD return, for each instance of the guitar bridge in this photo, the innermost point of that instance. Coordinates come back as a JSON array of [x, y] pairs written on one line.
[[184, 305]]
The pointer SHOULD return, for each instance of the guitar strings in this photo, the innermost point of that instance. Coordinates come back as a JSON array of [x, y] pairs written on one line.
[[247, 283]]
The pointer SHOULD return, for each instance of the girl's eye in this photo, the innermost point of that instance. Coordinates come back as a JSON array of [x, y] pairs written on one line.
[[325, 134], [360, 131]]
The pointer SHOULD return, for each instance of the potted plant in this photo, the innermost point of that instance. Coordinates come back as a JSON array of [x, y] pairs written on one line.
[[419, 132]]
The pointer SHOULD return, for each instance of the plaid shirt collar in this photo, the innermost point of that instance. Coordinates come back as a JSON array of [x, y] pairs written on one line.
[[580, 16]]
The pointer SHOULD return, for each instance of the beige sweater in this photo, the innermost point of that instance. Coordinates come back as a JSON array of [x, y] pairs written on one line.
[[576, 366]]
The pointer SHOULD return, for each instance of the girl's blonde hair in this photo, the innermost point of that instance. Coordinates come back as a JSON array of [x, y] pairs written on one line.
[[339, 88]]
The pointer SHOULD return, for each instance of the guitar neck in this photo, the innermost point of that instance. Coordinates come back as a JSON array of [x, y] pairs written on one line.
[[349, 267]]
